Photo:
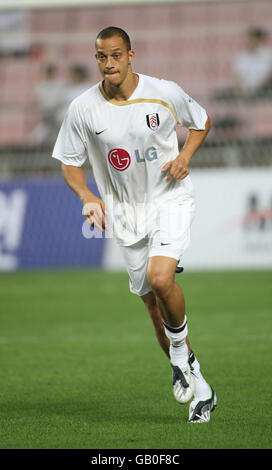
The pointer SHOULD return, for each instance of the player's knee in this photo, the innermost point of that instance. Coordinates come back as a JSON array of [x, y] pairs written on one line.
[[160, 284]]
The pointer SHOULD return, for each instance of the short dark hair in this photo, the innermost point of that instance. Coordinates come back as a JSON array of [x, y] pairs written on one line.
[[114, 31]]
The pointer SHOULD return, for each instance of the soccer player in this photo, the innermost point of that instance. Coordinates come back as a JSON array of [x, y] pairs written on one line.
[[125, 125]]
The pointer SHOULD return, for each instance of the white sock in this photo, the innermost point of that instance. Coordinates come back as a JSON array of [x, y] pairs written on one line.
[[178, 348], [202, 388]]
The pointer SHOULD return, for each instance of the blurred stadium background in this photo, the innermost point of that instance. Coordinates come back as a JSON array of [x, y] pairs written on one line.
[[47, 58]]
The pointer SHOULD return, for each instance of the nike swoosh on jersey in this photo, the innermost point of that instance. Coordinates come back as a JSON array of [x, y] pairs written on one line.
[[100, 132], [165, 244]]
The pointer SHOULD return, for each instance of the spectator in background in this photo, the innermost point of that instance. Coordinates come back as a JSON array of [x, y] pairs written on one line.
[[252, 79], [79, 81], [252, 66], [50, 100]]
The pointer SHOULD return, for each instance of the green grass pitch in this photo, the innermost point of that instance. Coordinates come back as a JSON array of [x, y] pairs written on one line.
[[81, 368]]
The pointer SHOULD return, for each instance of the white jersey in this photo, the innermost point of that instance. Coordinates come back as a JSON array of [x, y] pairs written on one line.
[[128, 143]]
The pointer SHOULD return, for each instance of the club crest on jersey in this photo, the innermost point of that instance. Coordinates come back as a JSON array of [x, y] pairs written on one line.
[[153, 121]]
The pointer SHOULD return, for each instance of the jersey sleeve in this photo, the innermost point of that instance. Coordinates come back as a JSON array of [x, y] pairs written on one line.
[[70, 146], [189, 113]]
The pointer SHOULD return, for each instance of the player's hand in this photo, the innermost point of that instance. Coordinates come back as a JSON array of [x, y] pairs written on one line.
[[94, 211], [178, 168]]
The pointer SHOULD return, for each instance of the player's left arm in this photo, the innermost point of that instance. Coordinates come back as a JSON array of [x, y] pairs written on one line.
[[178, 168]]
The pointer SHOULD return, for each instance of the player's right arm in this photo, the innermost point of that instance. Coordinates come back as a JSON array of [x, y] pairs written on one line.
[[93, 208], [70, 149]]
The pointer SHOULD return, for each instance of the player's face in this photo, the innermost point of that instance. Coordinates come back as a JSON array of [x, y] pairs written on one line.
[[114, 60]]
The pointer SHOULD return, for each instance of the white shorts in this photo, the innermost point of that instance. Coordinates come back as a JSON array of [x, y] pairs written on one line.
[[170, 237]]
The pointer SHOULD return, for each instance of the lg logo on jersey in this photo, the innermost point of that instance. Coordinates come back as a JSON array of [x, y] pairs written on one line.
[[120, 158]]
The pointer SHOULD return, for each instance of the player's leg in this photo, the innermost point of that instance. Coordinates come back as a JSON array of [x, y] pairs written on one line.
[[170, 299], [161, 278], [155, 315], [204, 396], [135, 257], [151, 304], [168, 244]]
